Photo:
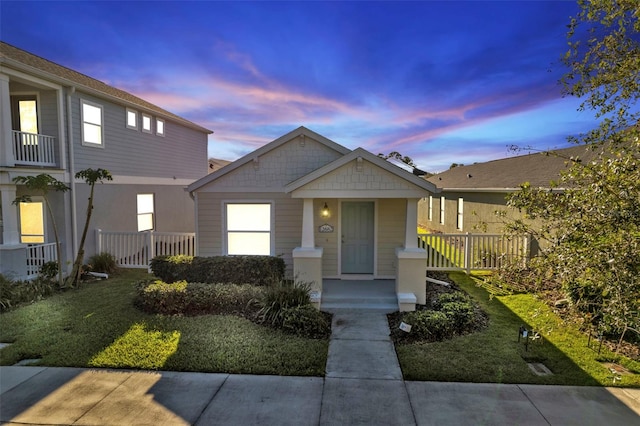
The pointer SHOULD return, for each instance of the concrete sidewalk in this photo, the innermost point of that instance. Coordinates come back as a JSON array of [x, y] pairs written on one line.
[[65, 396], [363, 385]]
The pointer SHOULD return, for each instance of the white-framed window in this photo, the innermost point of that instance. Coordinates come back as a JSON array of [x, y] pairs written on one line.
[[430, 208], [132, 119], [159, 127], [146, 123], [92, 123], [32, 222], [146, 212], [248, 228], [442, 203], [459, 222]]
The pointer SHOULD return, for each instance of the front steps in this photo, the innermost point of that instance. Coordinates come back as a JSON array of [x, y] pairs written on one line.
[[378, 295]]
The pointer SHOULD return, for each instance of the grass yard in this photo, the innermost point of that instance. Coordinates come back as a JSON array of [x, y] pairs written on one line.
[[98, 326], [494, 354]]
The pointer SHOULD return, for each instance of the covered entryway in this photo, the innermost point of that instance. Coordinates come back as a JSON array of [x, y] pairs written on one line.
[[358, 237]]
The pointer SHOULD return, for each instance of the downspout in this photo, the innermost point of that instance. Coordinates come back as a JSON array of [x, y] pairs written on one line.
[[72, 173]]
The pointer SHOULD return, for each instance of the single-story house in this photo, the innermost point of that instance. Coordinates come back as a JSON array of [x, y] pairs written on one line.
[[330, 212]]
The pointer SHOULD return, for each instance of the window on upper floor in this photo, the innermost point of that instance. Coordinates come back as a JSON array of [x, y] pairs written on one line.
[[159, 127], [248, 229], [132, 119], [146, 123], [459, 222], [92, 123], [442, 203], [430, 217], [145, 212]]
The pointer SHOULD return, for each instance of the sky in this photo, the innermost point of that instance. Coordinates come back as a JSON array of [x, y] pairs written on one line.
[[439, 81]]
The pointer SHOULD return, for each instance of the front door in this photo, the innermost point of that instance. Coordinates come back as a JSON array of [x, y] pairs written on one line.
[[357, 237]]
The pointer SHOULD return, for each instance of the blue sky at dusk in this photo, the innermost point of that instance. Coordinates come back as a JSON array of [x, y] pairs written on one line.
[[441, 82]]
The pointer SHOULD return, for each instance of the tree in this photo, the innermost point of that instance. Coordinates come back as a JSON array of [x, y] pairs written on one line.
[[41, 185], [395, 155], [591, 221], [91, 177]]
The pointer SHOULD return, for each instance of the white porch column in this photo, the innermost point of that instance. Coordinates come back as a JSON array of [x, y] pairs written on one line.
[[308, 240], [6, 146], [411, 270], [10, 230], [411, 225], [307, 259]]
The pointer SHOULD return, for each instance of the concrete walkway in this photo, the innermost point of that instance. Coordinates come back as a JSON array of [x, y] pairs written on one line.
[[363, 386]]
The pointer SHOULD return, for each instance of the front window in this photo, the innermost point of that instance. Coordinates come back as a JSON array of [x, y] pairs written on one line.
[[145, 212], [460, 213], [146, 123], [91, 123], [132, 119], [248, 229], [159, 127], [430, 207], [32, 222], [442, 201]]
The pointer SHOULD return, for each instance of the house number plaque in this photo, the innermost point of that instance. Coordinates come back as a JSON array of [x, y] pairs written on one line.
[[325, 229]]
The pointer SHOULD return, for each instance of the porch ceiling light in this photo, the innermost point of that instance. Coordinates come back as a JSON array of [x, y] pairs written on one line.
[[325, 210]]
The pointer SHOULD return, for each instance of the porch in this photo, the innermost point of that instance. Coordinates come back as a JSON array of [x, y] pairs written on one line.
[[379, 295], [30, 149]]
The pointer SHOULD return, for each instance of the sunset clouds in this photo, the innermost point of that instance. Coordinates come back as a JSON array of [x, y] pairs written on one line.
[[441, 82]]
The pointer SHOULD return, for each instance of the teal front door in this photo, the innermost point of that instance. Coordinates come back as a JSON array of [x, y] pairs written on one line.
[[357, 237]]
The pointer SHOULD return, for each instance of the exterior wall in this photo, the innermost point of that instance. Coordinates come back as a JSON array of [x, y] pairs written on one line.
[[392, 215], [288, 222], [479, 210], [328, 241], [276, 168], [180, 154]]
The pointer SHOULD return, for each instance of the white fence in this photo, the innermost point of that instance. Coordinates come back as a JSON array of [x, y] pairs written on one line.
[[456, 252], [136, 249], [38, 255]]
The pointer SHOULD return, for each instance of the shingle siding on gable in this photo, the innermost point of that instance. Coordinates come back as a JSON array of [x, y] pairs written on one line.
[[278, 167], [348, 177]]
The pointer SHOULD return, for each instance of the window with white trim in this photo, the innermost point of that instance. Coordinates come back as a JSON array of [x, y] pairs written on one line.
[[430, 208], [442, 201], [92, 119], [248, 228], [159, 127], [146, 123], [132, 119], [459, 222], [145, 212]]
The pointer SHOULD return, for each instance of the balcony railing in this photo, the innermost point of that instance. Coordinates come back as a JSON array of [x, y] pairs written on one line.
[[30, 149]]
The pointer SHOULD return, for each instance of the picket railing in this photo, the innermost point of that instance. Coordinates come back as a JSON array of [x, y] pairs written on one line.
[[136, 249], [466, 252], [38, 255], [34, 150]]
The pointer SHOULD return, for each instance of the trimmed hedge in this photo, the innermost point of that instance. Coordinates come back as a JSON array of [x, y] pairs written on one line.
[[182, 298], [255, 270]]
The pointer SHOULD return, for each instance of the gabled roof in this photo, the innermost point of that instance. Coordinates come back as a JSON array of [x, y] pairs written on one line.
[[35, 65], [265, 149], [507, 174], [365, 155]]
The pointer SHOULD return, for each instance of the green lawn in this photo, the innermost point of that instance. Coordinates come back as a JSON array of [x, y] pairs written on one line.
[[98, 326], [494, 354]]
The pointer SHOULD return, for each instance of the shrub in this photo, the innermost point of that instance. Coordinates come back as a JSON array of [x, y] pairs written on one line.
[[256, 270], [15, 293], [305, 321], [49, 270], [276, 299], [103, 262], [182, 298], [430, 325]]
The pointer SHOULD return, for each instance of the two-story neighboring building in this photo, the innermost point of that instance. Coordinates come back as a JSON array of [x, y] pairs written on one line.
[[58, 121]]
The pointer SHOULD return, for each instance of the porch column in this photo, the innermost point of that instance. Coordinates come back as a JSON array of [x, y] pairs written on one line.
[[6, 146], [10, 233], [411, 268], [307, 259]]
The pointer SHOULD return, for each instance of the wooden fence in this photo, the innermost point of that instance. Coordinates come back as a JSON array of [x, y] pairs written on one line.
[[466, 252]]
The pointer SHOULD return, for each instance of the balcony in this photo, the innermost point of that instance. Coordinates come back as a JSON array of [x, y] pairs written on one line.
[[34, 150]]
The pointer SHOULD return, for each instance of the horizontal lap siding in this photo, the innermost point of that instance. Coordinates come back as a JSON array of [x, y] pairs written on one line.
[[328, 241], [392, 215]]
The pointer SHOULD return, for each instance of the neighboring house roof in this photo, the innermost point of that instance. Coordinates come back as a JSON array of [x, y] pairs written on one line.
[[365, 155], [507, 174], [216, 164], [27, 62], [300, 131]]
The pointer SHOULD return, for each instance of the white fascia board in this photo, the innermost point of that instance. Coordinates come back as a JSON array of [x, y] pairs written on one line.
[[356, 193]]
